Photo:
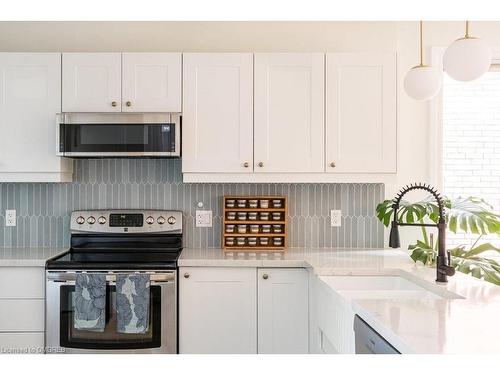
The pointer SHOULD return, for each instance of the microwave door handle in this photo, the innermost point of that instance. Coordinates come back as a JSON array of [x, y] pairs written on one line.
[[59, 127]]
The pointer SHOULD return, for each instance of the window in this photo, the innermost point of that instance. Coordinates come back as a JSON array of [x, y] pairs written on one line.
[[471, 144]]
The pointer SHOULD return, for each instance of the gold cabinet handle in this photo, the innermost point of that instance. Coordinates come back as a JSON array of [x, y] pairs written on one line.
[[128, 103], [261, 164], [246, 164], [265, 276], [114, 104], [332, 164], [186, 275]]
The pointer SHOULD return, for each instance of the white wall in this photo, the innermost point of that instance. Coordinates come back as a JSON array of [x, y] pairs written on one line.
[[413, 117]]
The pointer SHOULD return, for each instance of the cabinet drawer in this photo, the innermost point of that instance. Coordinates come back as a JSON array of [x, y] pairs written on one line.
[[22, 282], [21, 342], [22, 315]]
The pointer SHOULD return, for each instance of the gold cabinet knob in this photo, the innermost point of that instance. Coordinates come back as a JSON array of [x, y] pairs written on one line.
[[128, 103], [246, 164], [186, 275], [332, 164], [261, 164], [114, 104], [265, 276]]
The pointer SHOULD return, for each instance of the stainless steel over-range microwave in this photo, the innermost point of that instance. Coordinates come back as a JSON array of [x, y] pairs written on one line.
[[119, 135]]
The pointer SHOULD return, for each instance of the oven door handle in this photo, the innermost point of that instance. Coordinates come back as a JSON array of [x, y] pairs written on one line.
[[69, 276]]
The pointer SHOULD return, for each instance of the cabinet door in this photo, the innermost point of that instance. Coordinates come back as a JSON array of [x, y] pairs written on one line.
[[217, 310], [217, 120], [91, 82], [361, 113], [151, 82], [30, 97], [283, 306], [289, 112]]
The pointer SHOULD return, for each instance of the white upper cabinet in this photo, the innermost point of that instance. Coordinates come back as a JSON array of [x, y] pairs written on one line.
[[289, 112], [128, 82], [91, 82], [283, 311], [217, 310], [151, 82], [217, 120], [30, 97], [361, 113]]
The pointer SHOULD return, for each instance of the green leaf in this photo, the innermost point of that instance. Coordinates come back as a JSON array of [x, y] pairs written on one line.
[[384, 212], [452, 224], [480, 249], [473, 214], [423, 253]]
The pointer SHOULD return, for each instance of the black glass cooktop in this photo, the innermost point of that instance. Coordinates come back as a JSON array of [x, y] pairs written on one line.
[[119, 252], [114, 259]]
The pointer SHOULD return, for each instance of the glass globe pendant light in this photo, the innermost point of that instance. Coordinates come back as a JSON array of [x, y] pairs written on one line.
[[467, 58], [422, 82]]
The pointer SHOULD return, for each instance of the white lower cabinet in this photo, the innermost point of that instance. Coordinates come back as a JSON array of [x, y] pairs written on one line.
[[283, 307], [226, 310], [217, 310], [22, 309], [22, 342]]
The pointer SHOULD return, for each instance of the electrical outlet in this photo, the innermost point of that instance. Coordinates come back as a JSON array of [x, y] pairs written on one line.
[[203, 218], [335, 218], [10, 218]]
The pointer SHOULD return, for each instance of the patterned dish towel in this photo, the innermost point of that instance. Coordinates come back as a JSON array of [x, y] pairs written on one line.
[[90, 302], [132, 303]]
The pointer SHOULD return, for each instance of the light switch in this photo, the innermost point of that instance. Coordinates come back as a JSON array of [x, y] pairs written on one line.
[[335, 218], [203, 218]]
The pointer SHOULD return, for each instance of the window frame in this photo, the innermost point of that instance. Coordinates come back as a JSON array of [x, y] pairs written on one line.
[[435, 132]]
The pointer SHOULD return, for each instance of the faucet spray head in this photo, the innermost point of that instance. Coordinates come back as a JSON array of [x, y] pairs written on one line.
[[394, 240]]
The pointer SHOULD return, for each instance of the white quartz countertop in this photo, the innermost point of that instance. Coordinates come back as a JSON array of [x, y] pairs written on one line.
[[27, 257], [467, 325]]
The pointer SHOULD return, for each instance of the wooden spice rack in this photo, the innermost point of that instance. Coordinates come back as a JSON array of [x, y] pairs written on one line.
[[271, 236]]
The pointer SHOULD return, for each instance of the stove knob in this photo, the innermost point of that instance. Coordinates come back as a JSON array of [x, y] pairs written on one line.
[[160, 220], [80, 220], [171, 220], [150, 220], [101, 220], [91, 220]]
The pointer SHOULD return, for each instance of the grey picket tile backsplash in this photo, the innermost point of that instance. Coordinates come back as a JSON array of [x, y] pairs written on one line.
[[43, 209]]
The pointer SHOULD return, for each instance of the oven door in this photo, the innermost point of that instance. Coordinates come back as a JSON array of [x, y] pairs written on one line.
[[61, 336], [118, 135]]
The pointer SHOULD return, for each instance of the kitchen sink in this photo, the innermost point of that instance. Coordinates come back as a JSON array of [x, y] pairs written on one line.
[[384, 287]]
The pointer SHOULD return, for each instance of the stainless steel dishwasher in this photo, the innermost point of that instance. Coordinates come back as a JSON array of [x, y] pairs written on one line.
[[369, 341]]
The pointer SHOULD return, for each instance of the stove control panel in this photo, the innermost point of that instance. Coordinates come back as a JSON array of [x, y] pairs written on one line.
[[127, 221]]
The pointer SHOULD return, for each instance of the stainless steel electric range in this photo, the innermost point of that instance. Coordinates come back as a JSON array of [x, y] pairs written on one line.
[[112, 242]]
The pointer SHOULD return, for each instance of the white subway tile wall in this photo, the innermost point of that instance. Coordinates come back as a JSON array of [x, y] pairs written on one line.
[[471, 144], [44, 209]]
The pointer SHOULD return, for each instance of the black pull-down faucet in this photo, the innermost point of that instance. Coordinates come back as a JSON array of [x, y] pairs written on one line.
[[443, 268]]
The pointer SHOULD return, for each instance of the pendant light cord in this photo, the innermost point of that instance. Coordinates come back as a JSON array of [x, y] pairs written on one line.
[[466, 29], [421, 46]]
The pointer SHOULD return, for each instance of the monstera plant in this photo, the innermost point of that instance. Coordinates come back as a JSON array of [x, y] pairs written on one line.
[[467, 215]]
